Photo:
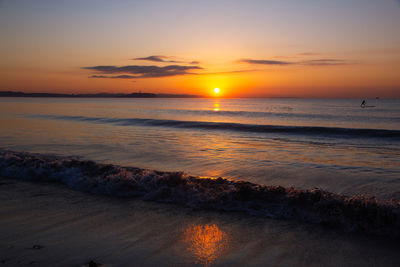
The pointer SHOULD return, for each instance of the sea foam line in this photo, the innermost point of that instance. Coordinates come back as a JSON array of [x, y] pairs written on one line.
[[353, 213]]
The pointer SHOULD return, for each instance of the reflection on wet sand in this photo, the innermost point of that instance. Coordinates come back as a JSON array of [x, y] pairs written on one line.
[[206, 242]]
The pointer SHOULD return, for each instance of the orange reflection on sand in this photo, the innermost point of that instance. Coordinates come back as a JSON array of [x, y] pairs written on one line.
[[206, 242]]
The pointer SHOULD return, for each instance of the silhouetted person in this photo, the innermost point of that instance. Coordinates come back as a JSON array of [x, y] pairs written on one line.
[[362, 104]]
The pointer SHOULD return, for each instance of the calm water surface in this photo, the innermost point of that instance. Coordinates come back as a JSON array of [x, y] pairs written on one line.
[[333, 144]]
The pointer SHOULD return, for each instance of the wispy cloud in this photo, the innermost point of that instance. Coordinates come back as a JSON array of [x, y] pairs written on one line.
[[264, 62], [227, 72], [114, 77], [165, 59], [157, 59], [325, 62], [313, 62], [137, 71], [310, 53], [191, 68]]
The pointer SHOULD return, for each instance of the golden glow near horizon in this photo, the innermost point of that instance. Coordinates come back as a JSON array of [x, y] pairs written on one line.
[[47, 51], [216, 90]]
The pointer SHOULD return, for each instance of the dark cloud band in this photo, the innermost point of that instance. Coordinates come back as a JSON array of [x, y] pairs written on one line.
[[157, 59], [264, 62], [165, 59], [314, 62], [136, 71], [325, 62]]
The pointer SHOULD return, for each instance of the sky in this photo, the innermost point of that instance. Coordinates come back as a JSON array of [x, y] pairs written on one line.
[[253, 48]]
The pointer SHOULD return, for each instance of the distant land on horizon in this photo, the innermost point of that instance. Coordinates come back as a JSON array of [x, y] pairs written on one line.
[[97, 95], [147, 95]]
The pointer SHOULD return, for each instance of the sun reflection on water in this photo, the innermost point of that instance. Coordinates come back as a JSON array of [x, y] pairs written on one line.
[[206, 242]]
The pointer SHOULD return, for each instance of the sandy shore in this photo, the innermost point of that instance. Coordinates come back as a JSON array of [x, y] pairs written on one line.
[[49, 225]]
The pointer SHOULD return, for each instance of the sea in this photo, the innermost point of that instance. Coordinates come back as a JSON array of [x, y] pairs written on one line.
[[330, 144]]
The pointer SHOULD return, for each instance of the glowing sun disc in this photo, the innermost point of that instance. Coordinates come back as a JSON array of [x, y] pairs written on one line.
[[216, 90]]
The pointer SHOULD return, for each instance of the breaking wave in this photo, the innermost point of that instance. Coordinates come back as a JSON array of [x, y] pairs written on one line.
[[266, 114], [257, 128], [353, 213]]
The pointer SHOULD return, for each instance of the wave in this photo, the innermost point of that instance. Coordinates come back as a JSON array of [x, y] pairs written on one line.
[[284, 115], [256, 128], [353, 213]]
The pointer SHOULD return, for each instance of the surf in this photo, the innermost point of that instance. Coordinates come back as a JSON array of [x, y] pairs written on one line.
[[351, 213]]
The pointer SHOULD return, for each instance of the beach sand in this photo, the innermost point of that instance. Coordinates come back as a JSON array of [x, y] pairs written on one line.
[[44, 224]]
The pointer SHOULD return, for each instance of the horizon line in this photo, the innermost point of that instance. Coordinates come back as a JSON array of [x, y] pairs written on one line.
[[165, 95]]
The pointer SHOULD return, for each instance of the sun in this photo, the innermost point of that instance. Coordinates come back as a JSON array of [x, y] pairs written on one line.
[[216, 90]]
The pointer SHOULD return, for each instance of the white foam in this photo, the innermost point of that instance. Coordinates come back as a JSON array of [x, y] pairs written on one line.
[[349, 212]]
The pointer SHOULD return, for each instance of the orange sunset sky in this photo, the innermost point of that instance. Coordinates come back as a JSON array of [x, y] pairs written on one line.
[[287, 48]]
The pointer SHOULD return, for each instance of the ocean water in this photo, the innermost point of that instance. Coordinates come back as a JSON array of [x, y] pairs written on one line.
[[332, 144]]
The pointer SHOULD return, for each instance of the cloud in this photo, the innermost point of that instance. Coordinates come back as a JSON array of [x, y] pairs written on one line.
[[228, 72], [264, 62], [157, 59], [309, 53], [166, 59], [137, 71], [114, 77], [314, 62], [325, 62]]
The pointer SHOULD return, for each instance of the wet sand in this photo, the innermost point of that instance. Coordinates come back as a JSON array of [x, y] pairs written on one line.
[[50, 225]]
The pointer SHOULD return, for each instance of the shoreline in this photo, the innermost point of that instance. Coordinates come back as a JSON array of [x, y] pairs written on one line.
[[48, 224], [349, 213]]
